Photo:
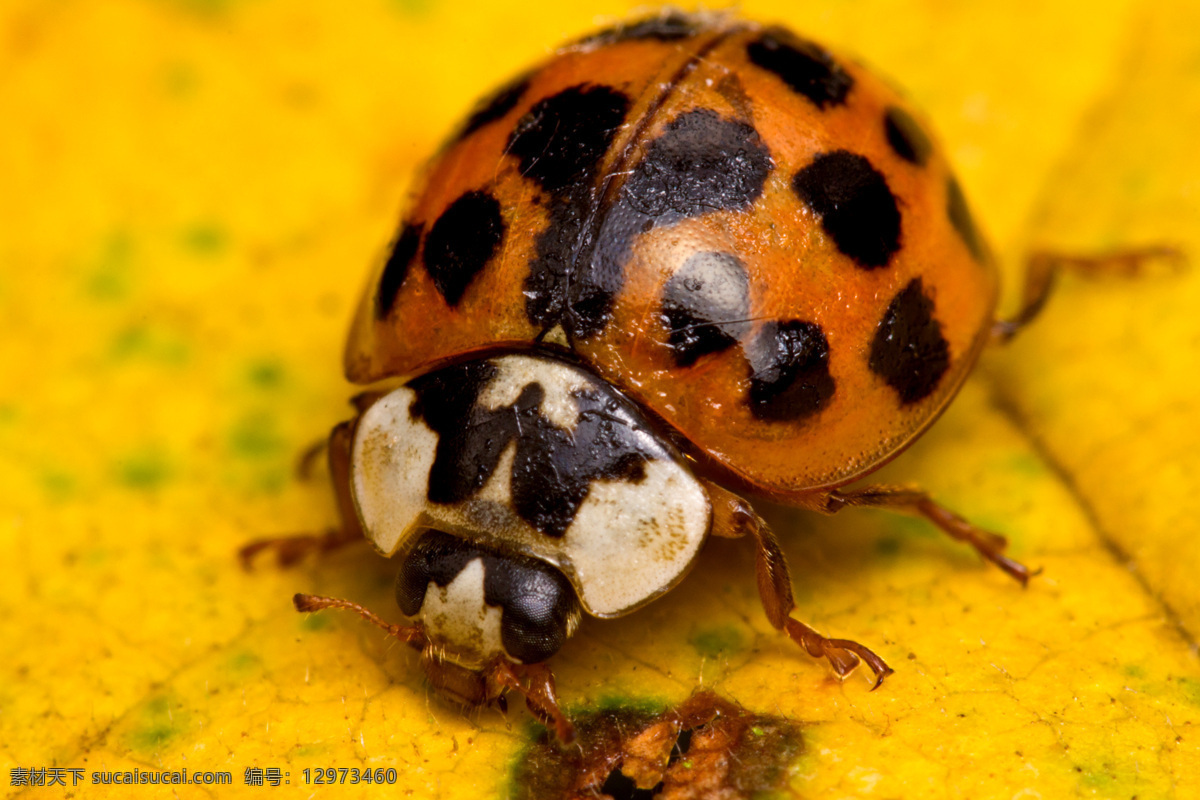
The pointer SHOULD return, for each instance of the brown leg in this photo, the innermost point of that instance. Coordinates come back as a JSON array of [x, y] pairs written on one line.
[[732, 518], [914, 501], [1042, 268], [409, 634], [536, 683], [291, 549]]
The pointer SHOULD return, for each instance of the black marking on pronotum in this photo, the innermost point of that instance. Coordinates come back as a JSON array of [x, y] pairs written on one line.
[[906, 137], [789, 371], [856, 207], [668, 28], [908, 350], [963, 222], [461, 242], [553, 468], [404, 249], [706, 305], [807, 68], [536, 600], [560, 144], [495, 106]]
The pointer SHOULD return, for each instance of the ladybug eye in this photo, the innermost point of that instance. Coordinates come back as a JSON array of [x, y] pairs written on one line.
[[539, 609]]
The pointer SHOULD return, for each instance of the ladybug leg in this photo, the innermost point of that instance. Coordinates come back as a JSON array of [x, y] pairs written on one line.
[[914, 501], [1043, 267], [536, 683], [732, 518], [291, 549]]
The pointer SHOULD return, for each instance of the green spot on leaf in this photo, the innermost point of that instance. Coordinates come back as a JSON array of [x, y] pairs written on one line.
[[205, 240], [414, 8], [1026, 464], [156, 724], [58, 485], [1191, 690], [180, 80], [146, 470], [109, 277], [713, 642], [150, 343], [244, 661], [256, 436], [316, 622], [888, 546], [204, 8], [1134, 670], [266, 374]]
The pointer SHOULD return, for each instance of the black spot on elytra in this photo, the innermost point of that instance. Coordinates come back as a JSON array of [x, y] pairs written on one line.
[[560, 144], [700, 163], [553, 468], [461, 242], [807, 68], [705, 305], [668, 28], [909, 351], [789, 371], [963, 222], [856, 207], [496, 106], [404, 250], [561, 139], [536, 600], [906, 137]]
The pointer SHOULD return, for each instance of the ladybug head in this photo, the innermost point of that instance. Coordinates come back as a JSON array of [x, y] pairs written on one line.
[[477, 605]]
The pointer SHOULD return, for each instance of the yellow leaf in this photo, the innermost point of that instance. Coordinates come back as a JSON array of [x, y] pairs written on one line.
[[193, 193]]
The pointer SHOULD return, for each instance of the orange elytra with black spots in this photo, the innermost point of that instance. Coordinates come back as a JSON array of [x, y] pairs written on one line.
[[683, 257], [756, 240]]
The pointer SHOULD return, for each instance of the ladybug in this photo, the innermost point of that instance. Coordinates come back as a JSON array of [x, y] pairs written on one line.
[[686, 259]]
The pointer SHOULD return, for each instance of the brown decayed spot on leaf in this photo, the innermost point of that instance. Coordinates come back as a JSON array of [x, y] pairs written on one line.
[[707, 747]]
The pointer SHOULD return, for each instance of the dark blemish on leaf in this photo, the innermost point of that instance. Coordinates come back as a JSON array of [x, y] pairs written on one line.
[[707, 746]]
